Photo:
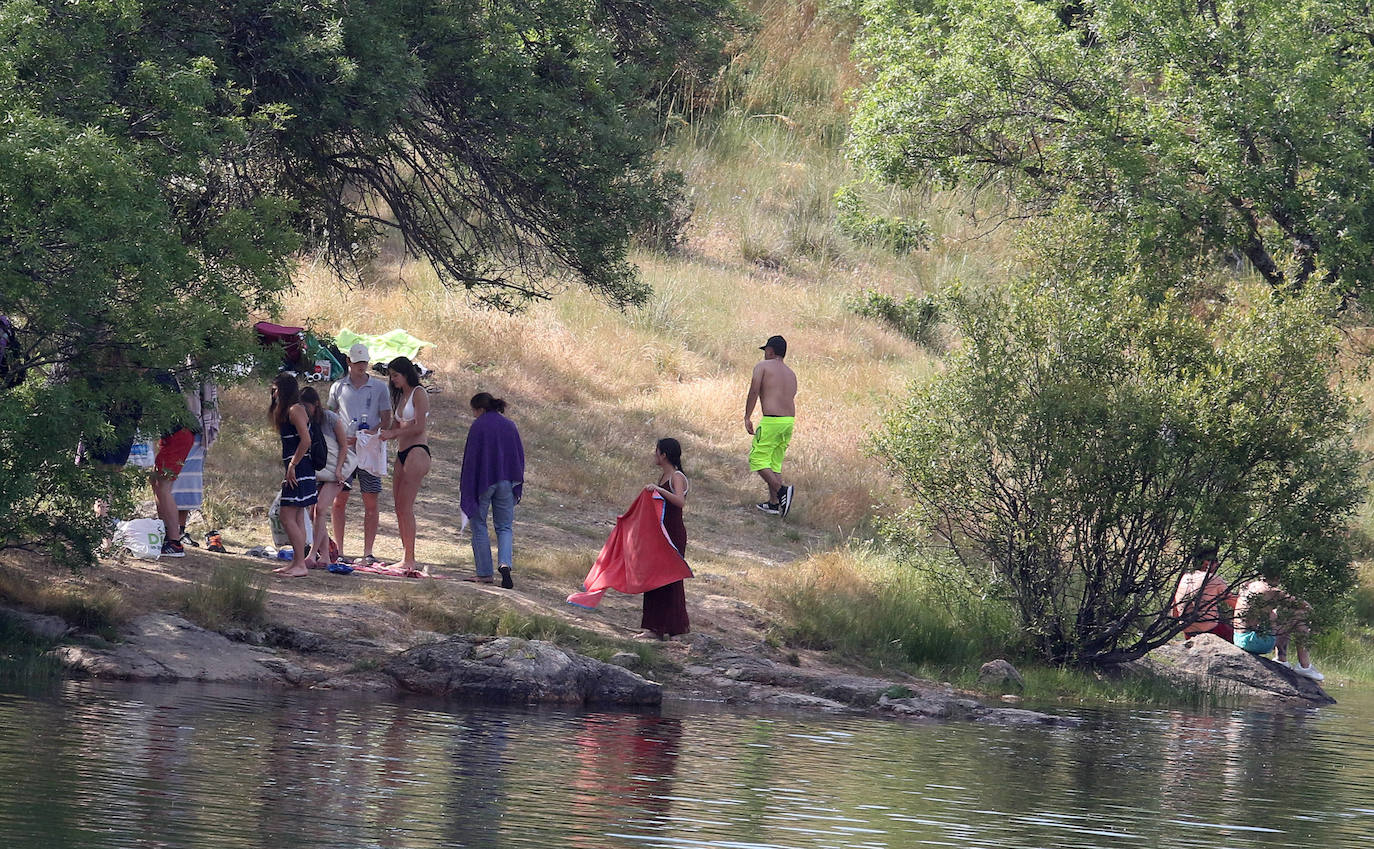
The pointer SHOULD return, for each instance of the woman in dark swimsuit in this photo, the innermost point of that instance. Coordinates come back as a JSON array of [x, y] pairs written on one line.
[[665, 609], [410, 410], [298, 485]]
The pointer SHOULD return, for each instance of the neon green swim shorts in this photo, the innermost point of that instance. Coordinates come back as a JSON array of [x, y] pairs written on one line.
[[771, 438]]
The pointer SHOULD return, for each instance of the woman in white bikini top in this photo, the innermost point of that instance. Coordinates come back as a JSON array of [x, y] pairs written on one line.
[[412, 457]]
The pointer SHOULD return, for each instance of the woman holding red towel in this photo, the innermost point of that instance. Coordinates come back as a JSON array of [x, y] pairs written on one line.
[[665, 608]]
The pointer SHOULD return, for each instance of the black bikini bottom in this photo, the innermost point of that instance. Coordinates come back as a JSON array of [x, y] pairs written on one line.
[[401, 455]]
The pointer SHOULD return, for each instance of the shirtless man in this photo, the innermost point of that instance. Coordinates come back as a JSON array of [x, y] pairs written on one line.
[[1203, 601], [774, 387]]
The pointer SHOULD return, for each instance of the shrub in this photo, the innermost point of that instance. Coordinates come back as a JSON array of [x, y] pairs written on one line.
[[1085, 438], [898, 235], [914, 317]]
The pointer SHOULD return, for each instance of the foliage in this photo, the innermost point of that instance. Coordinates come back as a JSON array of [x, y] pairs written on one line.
[[163, 161], [233, 593], [881, 613], [1233, 129], [914, 317], [1086, 438], [893, 233]]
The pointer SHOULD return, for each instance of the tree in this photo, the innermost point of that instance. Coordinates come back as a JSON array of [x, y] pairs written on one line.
[[1085, 438], [163, 161], [1223, 129]]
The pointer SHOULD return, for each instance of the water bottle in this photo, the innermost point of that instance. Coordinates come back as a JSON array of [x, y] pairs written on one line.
[[362, 425]]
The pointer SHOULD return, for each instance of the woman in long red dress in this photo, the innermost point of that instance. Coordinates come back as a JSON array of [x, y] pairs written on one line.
[[665, 609]]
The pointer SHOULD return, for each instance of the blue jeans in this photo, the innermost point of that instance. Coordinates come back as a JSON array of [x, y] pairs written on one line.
[[500, 497]]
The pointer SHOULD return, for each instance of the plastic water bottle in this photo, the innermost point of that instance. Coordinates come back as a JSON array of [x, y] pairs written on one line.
[[362, 425]]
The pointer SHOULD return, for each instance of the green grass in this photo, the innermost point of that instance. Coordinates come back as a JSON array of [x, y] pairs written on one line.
[[24, 658], [233, 594], [1050, 684], [882, 613]]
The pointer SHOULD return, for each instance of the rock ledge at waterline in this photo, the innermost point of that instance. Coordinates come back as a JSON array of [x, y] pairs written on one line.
[[165, 647], [1210, 662]]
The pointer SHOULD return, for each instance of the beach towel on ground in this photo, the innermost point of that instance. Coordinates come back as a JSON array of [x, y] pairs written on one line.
[[637, 557], [383, 348]]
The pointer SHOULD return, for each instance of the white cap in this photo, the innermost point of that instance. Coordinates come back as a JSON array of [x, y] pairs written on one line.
[[358, 353]]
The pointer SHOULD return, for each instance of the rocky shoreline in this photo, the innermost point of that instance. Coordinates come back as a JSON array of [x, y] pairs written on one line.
[[163, 647]]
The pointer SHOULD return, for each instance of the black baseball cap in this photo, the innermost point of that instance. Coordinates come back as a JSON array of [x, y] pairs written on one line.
[[777, 343]]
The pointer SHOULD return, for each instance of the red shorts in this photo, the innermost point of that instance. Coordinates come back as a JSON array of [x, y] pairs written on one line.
[[172, 452], [1221, 629]]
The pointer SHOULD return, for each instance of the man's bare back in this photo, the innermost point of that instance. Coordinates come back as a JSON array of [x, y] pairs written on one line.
[[777, 388]]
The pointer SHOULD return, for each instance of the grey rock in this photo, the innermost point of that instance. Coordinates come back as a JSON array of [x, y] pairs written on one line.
[[295, 639], [163, 647], [802, 701], [508, 669], [40, 625], [1209, 661], [1017, 716], [626, 660], [854, 690], [943, 705], [1000, 674]]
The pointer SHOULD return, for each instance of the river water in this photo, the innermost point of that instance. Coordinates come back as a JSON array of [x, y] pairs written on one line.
[[100, 765]]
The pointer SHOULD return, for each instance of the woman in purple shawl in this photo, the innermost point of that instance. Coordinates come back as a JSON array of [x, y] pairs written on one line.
[[493, 476]]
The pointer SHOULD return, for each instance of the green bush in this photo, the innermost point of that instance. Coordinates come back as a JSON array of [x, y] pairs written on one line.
[[1085, 438], [914, 317], [898, 235]]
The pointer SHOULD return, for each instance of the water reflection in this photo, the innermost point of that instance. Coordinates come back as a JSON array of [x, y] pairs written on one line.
[[123, 766]]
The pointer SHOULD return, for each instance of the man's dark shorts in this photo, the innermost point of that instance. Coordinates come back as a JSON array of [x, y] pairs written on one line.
[[368, 482]]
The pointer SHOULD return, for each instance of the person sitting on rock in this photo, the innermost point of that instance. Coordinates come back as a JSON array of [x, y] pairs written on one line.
[[1266, 616], [1203, 601]]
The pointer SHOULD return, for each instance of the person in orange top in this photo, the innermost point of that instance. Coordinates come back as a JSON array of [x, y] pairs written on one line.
[[1203, 601]]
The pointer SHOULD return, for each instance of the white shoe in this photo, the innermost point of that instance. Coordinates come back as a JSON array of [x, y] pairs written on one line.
[[1310, 672], [1285, 664]]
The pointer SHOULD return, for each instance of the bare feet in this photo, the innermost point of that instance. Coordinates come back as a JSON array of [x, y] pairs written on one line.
[[297, 569], [649, 636]]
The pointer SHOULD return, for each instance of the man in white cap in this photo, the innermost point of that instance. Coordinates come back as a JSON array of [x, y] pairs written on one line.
[[364, 403]]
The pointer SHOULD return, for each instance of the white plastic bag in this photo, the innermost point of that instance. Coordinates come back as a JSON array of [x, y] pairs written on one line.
[[371, 451], [279, 537], [143, 537], [142, 453]]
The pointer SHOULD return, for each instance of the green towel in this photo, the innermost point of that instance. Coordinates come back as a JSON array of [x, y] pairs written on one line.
[[383, 348]]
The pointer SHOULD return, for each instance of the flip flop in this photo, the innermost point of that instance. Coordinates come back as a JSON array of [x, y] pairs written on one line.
[[480, 579], [340, 568]]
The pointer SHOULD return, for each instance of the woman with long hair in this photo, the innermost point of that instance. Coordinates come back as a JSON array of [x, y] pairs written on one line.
[[410, 410], [329, 480], [298, 485], [492, 479], [665, 609]]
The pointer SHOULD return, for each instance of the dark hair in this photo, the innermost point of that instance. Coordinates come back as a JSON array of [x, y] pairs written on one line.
[[402, 366], [288, 393], [672, 450], [1205, 551], [310, 396], [484, 401]]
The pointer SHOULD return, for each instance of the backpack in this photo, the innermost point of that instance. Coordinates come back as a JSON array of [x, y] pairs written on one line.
[[319, 449]]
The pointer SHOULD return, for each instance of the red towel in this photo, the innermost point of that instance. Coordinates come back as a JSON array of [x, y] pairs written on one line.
[[637, 557]]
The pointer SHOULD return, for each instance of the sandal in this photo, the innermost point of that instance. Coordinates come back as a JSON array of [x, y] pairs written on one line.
[[480, 579]]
